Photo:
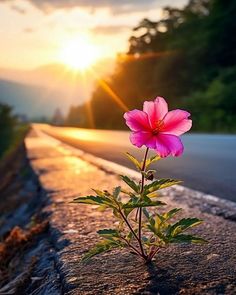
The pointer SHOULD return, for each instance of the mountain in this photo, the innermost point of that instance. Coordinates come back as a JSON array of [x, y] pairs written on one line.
[[58, 75], [38, 92], [29, 100]]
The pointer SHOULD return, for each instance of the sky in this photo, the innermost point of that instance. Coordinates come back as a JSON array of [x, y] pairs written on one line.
[[40, 32]]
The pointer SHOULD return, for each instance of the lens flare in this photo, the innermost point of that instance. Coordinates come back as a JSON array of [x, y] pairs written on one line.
[[79, 54]]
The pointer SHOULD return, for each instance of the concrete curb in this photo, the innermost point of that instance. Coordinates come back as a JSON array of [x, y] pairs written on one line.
[[65, 172], [220, 207]]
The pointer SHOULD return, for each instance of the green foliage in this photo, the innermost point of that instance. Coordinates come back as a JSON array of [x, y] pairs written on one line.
[[142, 203], [12, 133], [187, 239], [160, 184], [188, 56], [101, 247], [172, 233], [157, 229], [109, 233], [130, 183], [137, 164], [152, 160], [7, 127], [103, 201], [78, 116], [182, 225]]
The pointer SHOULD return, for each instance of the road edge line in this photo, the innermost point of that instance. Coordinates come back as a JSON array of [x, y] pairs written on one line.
[[118, 169]]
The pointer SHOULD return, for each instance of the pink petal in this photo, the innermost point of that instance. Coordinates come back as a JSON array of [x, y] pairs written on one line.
[[156, 110], [141, 138], [137, 120], [176, 122], [168, 144]]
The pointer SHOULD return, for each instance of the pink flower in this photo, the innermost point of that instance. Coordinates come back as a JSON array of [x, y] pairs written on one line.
[[158, 129]]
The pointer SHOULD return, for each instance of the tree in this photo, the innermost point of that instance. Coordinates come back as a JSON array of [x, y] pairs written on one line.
[[57, 118], [189, 57], [7, 125]]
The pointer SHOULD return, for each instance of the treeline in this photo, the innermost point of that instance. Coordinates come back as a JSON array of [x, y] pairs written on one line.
[[12, 131], [188, 57], [7, 126]]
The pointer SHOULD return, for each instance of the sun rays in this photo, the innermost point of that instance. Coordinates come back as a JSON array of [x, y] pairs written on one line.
[[79, 54]]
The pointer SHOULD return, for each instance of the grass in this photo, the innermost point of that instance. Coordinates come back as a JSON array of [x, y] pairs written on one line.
[[16, 141]]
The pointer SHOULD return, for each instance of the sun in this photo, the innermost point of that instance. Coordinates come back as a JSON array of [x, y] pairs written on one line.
[[79, 54]]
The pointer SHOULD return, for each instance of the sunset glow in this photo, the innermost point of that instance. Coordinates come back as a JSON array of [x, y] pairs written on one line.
[[79, 54]]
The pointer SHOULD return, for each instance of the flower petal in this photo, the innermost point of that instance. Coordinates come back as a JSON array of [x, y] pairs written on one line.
[[156, 110], [137, 120], [167, 144], [141, 138], [176, 122]]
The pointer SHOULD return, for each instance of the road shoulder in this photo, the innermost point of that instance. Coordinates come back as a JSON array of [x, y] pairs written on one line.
[[65, 172]]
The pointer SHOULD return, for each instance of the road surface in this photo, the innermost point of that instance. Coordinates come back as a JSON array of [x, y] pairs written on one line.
[[208, 163]]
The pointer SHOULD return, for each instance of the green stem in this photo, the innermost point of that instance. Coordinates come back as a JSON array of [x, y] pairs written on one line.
[[128, 224], [131, 229], [140, 209]]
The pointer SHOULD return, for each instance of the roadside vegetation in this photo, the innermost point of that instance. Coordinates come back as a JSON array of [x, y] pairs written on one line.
[[12, 132], [188, 56]]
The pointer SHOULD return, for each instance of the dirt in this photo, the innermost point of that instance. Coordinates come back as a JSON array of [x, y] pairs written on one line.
[[24, 236]]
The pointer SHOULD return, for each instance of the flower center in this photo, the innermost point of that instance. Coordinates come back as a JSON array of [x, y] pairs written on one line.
[[159, 125]]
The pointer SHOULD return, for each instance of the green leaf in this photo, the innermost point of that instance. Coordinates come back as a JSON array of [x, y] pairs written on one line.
[[104, 246], [99, 193], [143, 203], [146, 213], [134, 161], [137, 203], [159, 219], [154, 223], [183, 225], [109, 233], [187, 239], [171, 213], [130, 183], [153, 195], [116, 192], [130, 235], [94, 200], [133, 199], [160, 184], [152, 160], [155, 230]]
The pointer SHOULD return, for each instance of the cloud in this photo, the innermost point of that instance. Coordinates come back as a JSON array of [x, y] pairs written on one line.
[[116, 6], [18, 9], [109, 30]]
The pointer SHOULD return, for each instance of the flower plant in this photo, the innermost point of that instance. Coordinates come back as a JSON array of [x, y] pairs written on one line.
[[143, 231]]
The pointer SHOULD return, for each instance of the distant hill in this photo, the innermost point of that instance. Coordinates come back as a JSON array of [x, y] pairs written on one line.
[[34, 101], [38, 92], [58, 75]]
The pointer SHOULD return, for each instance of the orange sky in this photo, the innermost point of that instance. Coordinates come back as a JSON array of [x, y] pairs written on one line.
[[34, 32]]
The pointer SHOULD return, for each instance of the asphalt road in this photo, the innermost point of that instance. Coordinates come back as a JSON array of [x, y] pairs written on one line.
[[208, 163]]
